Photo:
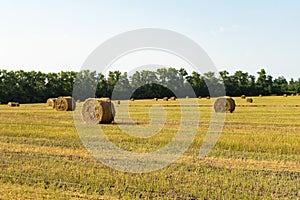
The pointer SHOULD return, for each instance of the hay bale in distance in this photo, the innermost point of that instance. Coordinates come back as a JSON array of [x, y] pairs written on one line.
[[260, 95], [98, 111], [243, 96], [285, 95], [51, 102], [249, 100], [199, 97], [13, 104], [173, 98], [65, 104], [223, 104], [187, 97], [155, 99], [165, 98], [208, 97], [132, 99]]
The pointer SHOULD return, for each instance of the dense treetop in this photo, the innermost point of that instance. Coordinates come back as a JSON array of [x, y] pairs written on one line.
[[32, 87]]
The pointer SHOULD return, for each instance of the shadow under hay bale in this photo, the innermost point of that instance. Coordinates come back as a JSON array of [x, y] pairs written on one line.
[[165, 99], [249, 100], [223, 104], [98, 111], [51, 102], [173, 98], [65, 104], [243, 96], [13, 104]]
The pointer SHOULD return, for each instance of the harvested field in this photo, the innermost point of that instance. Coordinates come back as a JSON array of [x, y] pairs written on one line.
[[256, 157]]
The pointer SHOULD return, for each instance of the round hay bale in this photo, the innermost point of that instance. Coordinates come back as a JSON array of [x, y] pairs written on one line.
[[155, 99], [51, 102], [165, 98], [285, 95], [98, 111], [260, 95], [13, 104], [187, 97], [208, 97], [292, 95], [104, 98], [243, 96], [249, 100], [223, 104], [173, 98], [199, 97], [132, 99], [65, 104]]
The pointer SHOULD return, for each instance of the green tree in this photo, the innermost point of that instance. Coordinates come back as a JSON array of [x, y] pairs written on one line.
[[122, 89], [261, 83], [113, 78], [280, 85], [85, 85]]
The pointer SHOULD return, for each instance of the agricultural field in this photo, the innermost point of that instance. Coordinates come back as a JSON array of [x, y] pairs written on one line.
[[256, 157]]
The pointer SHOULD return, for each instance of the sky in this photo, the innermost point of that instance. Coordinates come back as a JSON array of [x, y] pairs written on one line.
[[54, 35]]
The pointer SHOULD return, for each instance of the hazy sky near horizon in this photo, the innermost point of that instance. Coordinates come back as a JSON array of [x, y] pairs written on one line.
[[237, 35]]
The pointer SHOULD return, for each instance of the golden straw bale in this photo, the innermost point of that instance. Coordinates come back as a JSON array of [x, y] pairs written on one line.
[[223, 104], [65, 104], [98, 111]]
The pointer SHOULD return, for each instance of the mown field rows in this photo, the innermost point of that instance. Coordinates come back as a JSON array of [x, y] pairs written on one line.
[[257, 155]]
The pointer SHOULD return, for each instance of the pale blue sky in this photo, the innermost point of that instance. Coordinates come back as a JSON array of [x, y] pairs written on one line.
[[238, 35]]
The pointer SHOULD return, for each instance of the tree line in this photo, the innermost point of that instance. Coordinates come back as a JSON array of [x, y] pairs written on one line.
[[33, 87]]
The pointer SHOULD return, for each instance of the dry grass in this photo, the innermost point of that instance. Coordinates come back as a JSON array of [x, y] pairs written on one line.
[[256, 157]]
